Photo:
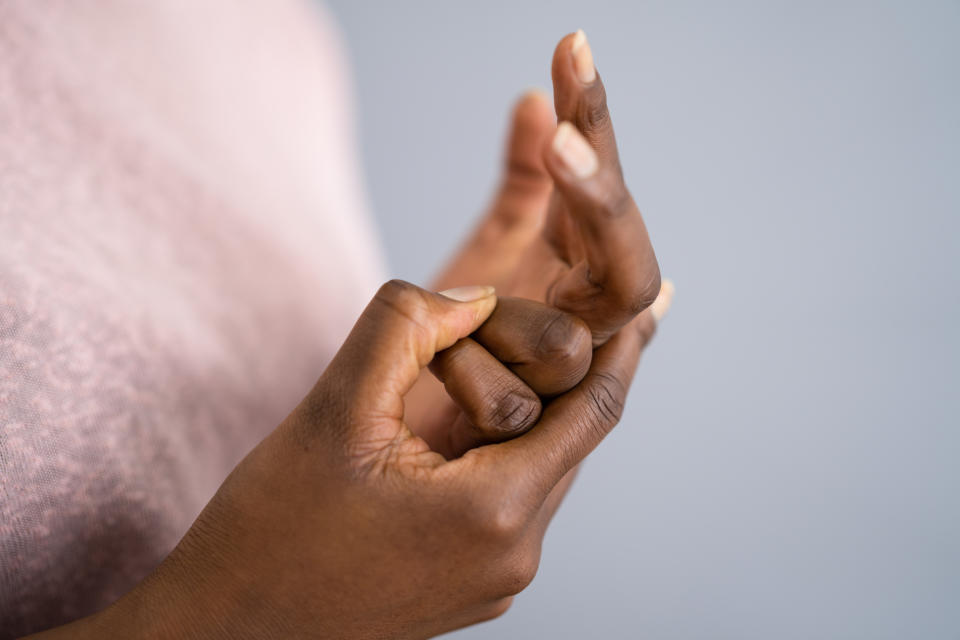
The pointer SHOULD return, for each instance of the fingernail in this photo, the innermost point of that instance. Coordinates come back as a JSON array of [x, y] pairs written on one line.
[[661, 305], [468, 294], [583, 58], [574, 150]]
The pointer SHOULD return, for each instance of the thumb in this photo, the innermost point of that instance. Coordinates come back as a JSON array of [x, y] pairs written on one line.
[[395, 337]]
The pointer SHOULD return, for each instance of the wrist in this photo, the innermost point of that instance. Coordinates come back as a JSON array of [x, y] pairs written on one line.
[[195, 593]]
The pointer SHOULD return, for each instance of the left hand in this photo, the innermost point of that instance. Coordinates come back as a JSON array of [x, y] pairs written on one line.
[[495, 378], [343, 524]]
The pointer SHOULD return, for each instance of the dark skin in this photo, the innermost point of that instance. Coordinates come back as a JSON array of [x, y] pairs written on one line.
[[496, 378], [577, 245], [343, 523], [368, 513]]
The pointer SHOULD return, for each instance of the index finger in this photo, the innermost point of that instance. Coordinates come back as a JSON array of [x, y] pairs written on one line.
[[580, 97], [619, 276]]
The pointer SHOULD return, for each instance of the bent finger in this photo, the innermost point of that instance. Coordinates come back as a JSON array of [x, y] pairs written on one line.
[[619, 276], [575, 423], [496, 404], [547, 348]]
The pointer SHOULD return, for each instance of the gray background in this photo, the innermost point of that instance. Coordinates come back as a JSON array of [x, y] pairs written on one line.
[[788, 463]]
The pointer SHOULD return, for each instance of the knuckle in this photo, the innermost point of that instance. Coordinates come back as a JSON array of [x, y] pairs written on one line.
[[614, 199], [512, 411], [400, 294], [524, 175], [506, 524], [518, 573], [499, 523], [405, 299], [651, 287], [607, 395], [592, 111], [633, 297], [565, 341], [647, 291]]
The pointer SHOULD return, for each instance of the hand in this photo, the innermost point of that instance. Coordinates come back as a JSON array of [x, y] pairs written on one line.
[[342, 523], [563, 227], [570, 236], [494, 380]]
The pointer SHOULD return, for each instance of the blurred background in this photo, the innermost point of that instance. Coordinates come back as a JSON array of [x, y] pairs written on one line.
[[789, 462]]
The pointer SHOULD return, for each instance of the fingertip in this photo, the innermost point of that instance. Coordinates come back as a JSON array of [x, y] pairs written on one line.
[[664, 299], [582, 58], [565, 46], [561, 69], [532, 120], [531, 123], [481, 300], [580, 97], [574, 54], [533, 99]]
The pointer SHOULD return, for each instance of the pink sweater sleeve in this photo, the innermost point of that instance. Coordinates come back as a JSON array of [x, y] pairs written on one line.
[[183, 245]]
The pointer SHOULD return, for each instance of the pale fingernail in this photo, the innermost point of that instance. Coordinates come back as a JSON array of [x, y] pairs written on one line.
[[574, 150], [468, 294], [583, 58], [661, 305]]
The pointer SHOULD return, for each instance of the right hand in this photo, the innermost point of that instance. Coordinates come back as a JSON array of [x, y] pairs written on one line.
[[569, 236], [563, 227], [342, 523]]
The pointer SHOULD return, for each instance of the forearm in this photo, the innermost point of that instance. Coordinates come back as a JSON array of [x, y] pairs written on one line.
[[144, 612], [183, 598]]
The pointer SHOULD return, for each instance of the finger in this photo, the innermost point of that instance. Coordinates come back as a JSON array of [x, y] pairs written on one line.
[[517, 211], [555, 498], [395, 337], [657, 311], [580, 97], [428, 411], [547, 351], [526, 184], [547, 348], [496, 404], [619, 275], [575, 423]]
